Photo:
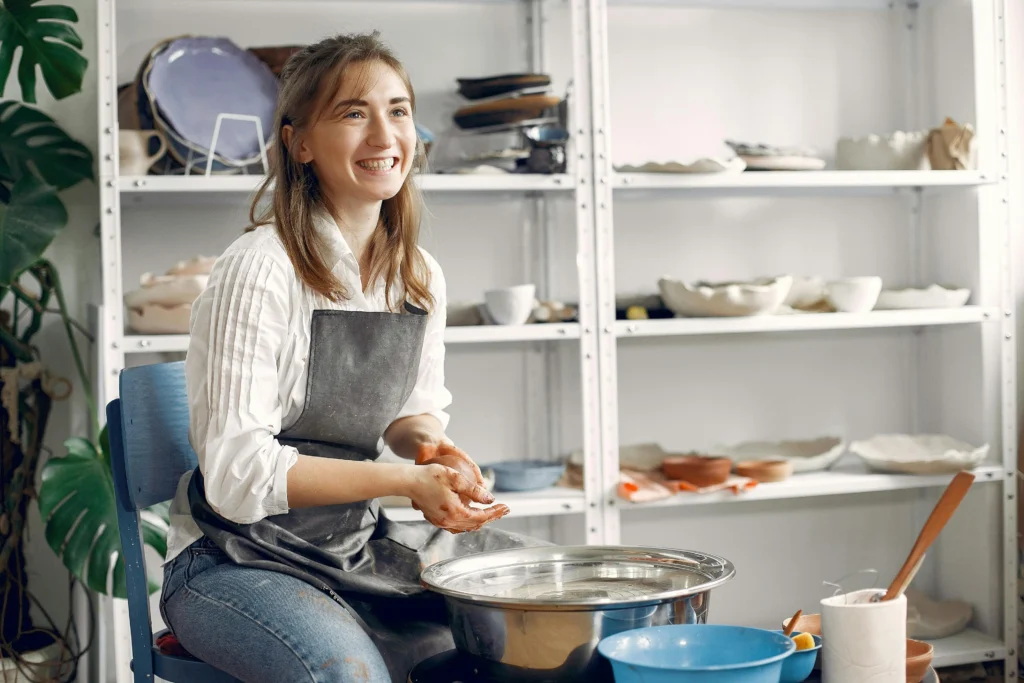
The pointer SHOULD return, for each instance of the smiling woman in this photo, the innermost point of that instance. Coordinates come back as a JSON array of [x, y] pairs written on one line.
[[320, 338]]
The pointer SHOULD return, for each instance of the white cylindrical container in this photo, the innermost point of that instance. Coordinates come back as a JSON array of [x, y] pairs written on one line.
[[864, 641]]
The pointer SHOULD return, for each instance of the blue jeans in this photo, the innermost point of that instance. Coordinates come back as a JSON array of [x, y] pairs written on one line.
[[260, 625]]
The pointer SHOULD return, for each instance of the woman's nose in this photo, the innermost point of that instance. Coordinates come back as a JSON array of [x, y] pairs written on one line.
[[380, 135]]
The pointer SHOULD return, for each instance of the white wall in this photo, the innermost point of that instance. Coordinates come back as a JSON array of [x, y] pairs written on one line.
[[703, 76]]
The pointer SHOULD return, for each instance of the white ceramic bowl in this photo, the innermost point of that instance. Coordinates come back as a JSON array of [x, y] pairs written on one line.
[[510, 305], [760, 296], [854, 294], [934, 296]]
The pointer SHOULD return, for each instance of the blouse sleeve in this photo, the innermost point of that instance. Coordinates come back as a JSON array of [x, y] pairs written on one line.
[[239, 325], [429, 395]]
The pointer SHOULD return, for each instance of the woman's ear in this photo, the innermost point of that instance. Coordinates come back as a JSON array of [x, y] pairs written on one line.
[[302, 154]]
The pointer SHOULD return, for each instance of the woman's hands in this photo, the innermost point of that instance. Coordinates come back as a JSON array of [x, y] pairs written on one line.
[[451, 482], [448, 454], [444, 495], [445, 482]]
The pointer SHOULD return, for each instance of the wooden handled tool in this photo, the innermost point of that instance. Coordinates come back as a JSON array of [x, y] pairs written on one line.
[[792, 623], [942, 513]]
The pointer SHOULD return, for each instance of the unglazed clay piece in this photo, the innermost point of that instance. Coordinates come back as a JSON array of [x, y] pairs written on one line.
[[929, 619], [935, 296], [197, 265], [899, 151], [706, 299], [705, 165], [166, 290], [918, 454], [807, 292], [156, 319]]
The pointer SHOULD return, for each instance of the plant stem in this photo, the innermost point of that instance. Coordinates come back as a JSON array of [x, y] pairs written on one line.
[[82, 375], [77, 325]]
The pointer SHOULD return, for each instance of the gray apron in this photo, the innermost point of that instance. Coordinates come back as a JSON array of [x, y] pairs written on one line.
[[362, 368]]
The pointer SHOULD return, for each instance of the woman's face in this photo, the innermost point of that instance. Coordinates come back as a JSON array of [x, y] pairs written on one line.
[[362, 147]]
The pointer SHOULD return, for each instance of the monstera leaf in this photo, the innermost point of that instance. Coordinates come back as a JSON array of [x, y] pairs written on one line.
[[47, 40], [29, 220], [76, 501], [32, 143]]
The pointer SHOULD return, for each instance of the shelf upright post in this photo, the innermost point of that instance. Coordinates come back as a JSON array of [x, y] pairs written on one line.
[[996, 288], [110, 330], [605, 481], [539, 410], [997, 209], [596, 512]]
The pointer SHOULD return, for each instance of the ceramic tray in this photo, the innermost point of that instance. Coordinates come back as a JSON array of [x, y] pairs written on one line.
[[935, 296], [704, 165], [807, 456], [918, 454]]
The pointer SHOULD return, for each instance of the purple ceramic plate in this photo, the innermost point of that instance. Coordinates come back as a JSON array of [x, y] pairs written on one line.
[[197, 78]]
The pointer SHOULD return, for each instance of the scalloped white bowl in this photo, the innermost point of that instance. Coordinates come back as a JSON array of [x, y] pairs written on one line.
[[919, 453], [761, 296], [934, 296]]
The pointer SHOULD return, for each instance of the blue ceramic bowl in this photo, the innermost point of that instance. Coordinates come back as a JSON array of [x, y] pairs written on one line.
[[526, 475], [798, 666], [703, 653]]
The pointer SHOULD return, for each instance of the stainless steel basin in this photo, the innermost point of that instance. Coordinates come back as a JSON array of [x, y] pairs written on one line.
[[545, 609]]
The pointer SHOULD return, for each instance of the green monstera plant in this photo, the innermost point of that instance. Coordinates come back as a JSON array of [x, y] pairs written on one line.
[[38, 160]]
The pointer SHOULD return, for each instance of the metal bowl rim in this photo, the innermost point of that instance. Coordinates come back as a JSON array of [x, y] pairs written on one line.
[[725, 569]]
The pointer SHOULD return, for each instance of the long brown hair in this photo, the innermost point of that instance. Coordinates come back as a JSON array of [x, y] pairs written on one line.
[[309, 80]]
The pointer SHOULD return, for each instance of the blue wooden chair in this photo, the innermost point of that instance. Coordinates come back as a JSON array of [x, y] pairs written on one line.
[[149, 451]]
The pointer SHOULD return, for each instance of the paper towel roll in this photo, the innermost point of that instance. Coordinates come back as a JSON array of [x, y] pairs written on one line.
[[864, 641]]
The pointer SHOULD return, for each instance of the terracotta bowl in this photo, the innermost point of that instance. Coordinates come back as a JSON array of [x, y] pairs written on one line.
[[807, 623], [699, 470], [765, 470], [919, 658]]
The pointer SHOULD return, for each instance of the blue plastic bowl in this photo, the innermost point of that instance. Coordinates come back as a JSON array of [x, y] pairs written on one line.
[[526, 475], [798, 666], [704, 653]]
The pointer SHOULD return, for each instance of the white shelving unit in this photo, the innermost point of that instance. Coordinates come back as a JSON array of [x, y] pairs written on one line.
[[946, 369]]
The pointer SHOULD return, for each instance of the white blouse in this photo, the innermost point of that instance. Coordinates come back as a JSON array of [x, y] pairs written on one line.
[[245, 372]]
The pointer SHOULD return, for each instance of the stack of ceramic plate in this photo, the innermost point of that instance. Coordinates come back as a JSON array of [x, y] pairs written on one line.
[[508, 100], [763, 157], [191, 82]]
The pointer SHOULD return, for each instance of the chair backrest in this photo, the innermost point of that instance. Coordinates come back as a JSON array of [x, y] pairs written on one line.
[[149, 451], [154, 409]]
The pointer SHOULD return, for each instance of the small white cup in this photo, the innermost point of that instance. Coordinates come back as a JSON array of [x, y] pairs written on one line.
[[854, 294], [510, 305]]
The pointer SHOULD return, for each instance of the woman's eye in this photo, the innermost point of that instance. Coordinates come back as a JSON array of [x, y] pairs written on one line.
[[400, 112], [353, 114]]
